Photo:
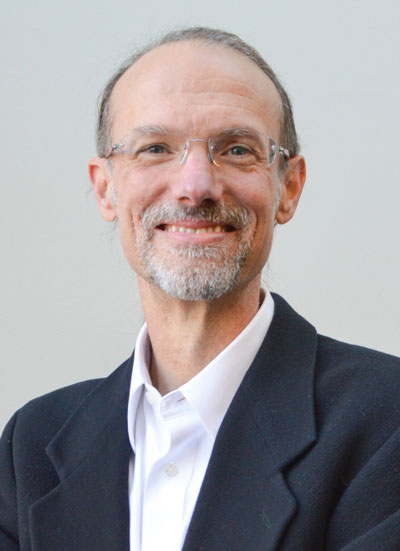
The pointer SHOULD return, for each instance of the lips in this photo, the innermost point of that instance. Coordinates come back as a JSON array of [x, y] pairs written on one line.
[[207, 219], [195, 229]]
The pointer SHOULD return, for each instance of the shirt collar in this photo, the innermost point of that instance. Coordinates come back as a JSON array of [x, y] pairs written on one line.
[[218, 381], [140, 379]]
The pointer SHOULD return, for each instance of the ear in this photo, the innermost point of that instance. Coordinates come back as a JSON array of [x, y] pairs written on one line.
[[101, 178], [292, 185]]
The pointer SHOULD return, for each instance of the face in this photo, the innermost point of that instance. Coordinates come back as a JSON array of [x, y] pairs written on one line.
[[195, 230]]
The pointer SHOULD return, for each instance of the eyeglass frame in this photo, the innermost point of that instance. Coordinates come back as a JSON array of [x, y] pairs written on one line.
[[277, 149]]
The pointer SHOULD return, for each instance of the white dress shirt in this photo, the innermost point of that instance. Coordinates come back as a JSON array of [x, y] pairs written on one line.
[[172, 436]]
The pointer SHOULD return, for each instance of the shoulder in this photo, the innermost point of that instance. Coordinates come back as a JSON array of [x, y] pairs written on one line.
[[41, 418], [344, 354], [357, 389], [58, 404], [355, 367]]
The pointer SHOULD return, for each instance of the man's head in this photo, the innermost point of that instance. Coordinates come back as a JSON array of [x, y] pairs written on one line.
[[187, 137]]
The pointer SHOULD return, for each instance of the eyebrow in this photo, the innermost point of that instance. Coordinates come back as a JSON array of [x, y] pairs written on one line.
[[158, 130], [239, 132], [161, 130]]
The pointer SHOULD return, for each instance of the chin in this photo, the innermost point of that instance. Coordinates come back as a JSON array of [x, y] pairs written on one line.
[[195, 273]]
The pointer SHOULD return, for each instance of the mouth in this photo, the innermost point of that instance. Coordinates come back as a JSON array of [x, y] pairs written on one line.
[[205, 225], [196, 228]]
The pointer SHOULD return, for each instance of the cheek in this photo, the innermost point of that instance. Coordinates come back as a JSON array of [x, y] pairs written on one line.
[[134, 195], [138, 190], [261, 202]]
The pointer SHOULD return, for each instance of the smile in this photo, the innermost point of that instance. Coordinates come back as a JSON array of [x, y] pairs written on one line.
[[195, 229]]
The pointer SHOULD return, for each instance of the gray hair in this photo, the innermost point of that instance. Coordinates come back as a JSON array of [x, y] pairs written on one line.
[[288, 135]]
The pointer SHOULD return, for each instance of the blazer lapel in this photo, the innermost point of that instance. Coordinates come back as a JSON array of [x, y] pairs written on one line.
[[244, 502], [89, 509]]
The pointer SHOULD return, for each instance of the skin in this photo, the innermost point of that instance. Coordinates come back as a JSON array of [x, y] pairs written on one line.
[[199, 90]]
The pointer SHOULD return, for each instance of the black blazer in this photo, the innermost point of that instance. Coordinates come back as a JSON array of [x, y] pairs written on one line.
[[306, 459]]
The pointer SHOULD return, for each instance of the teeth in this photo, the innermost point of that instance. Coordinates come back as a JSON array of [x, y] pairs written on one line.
[[185, 229]]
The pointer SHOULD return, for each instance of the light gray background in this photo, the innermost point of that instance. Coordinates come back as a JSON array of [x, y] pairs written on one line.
[[69, 305]]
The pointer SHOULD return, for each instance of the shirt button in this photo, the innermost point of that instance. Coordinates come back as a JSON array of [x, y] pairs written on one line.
[[171, 469]]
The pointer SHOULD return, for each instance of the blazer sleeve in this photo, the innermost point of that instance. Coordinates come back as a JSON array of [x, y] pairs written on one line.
[[8, 493], [367, 516]]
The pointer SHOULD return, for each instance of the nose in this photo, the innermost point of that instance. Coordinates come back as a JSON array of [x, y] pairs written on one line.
[[195, 179]]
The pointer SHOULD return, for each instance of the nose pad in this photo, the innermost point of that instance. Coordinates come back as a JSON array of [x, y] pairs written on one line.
[[186, 150], [184, 154], [211, 158]]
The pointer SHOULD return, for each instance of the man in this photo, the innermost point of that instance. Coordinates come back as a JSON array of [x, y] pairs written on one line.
[[234, 426]]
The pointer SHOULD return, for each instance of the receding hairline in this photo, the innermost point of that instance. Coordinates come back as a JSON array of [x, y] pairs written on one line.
[[206, 36], [177, 43]]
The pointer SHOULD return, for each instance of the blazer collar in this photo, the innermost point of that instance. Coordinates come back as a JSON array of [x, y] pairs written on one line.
[[279, 388], [244, 502], [78, 436]]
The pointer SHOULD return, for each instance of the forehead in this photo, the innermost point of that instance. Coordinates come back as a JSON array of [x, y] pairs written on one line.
[[197, 87]]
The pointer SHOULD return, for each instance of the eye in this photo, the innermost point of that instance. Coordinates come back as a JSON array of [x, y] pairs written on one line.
[[156, 149], [239, 150], [154, 153]]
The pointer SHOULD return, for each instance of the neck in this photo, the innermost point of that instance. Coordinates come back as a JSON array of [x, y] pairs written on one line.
[[187, 335]]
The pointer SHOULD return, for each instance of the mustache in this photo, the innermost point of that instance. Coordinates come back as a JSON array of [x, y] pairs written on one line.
[[215, 213]]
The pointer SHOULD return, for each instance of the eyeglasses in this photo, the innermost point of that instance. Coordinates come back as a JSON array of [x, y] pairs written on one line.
[[238, 148]]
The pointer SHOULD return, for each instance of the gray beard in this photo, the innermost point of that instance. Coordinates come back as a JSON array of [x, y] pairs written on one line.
[[194, 272]]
